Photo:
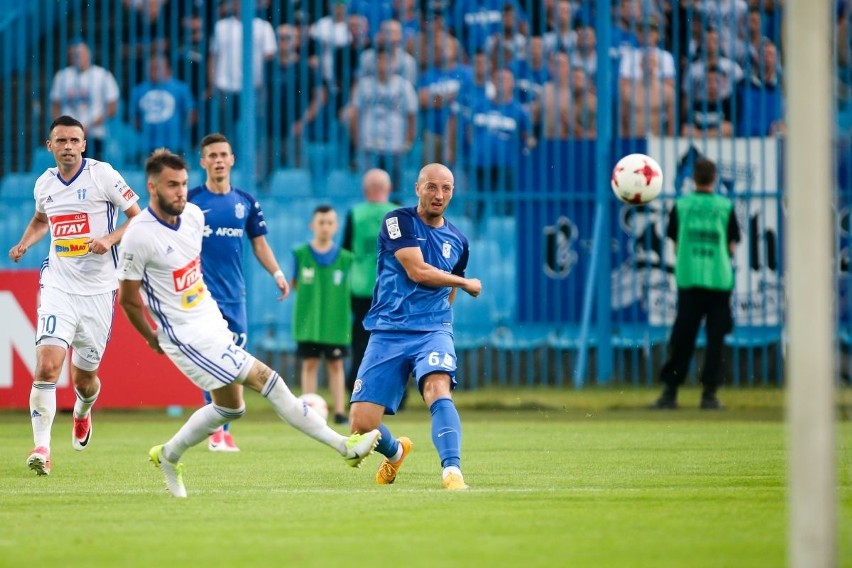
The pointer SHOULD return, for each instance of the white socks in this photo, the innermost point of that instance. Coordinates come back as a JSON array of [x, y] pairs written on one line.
[[299, 415], [83, 405], [451, 469], [201, 424], [42, 411]]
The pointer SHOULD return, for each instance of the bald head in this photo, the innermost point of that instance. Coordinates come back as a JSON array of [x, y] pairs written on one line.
[[376, 185], [433, 171]]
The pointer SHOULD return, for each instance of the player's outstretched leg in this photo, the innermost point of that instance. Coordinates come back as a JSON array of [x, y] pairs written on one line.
[[198, 427], [296, 413], [446, 435], [172, 471]]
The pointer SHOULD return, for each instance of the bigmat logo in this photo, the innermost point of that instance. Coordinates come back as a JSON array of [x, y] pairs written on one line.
[[69, 225], [188, 275]]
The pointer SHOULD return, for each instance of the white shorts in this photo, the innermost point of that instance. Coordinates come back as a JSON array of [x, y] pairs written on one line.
[[80, 322], [207, 356]]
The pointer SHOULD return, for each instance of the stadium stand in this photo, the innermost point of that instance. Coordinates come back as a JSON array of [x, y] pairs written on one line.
[[524, 257]]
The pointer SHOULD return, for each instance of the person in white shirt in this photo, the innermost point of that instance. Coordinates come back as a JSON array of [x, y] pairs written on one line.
[[77, 202], [87, 92], [161, 257], [226, 65]]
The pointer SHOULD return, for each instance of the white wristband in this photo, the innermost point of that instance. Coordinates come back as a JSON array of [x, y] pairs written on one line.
[[278, 273]]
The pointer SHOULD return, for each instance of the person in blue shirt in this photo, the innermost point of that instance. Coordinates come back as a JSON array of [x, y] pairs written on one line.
[[229, 214], [422, 261], [163, 109], [497, 130], [474, 21]]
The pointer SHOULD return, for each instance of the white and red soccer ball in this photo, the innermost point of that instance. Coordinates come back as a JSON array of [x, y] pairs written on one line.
[[637, 179], [316, 402]]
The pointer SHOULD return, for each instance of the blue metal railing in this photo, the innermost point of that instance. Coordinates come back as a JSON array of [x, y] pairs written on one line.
[[582, 286]]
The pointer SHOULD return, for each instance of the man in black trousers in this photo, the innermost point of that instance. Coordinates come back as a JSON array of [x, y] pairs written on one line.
[[704, 229]]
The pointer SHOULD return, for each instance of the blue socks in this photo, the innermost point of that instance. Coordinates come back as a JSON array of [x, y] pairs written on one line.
[[388, 445], [446, 431]]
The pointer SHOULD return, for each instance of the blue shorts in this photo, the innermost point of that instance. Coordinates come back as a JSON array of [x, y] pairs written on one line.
[[391, 356], [235, 315]]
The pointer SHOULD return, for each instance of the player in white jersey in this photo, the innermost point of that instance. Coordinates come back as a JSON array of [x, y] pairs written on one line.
[[78, 203], [161, 260]]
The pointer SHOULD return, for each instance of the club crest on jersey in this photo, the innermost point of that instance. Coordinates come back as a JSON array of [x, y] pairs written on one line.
[[184, 278], [393, 227], [71, 225], [446, 249], [81, 194], [239, 211]]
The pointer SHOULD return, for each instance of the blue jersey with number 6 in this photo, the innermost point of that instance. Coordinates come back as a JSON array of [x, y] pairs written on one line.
[[399, 303]]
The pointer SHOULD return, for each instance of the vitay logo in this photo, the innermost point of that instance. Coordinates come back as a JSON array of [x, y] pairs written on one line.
[[71, 225], [185, 277]]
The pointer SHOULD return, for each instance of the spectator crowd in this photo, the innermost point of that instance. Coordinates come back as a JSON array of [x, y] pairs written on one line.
[[473, 82]]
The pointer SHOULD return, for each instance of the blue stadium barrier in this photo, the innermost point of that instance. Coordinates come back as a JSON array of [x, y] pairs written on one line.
[[343, 184], [290, 183], [42, 159], [18, 187]]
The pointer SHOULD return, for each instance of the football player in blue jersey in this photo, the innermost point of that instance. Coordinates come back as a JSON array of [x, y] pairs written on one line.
[[422, 260], [229, 214]]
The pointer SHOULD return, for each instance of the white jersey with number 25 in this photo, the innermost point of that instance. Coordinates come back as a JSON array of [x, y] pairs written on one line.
[[167, 260]]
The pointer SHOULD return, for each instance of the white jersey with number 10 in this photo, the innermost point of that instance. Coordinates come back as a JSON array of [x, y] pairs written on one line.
[[84, 207]]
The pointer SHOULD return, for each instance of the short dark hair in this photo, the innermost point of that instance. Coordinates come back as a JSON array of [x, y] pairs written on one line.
[[704, 172], [161, 159], [214, 138], [322, 208], [66, 120]]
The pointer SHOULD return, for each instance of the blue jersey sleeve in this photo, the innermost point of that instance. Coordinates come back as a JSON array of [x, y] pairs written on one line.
[[398, 230], [255, 223], [461, 265]]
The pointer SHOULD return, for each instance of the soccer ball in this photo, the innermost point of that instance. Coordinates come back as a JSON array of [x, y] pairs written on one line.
[[316, 402], [636, 179]]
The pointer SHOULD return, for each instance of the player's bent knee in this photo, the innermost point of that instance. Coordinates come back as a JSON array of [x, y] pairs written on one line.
[[230, 414]]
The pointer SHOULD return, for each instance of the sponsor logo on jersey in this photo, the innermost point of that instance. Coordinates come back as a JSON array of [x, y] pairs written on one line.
[[128, 194], [393, 227], [184, 278], [71, 247], [446, 249], [306, 275], [49, 199], [239, 210], [71, 225], [227, 232], [193, 296]]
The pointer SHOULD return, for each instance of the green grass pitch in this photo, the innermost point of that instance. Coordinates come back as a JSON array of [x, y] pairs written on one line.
[[558, 478]]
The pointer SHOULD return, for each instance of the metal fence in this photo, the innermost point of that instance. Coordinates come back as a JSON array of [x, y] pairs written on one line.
[[530, 103]]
